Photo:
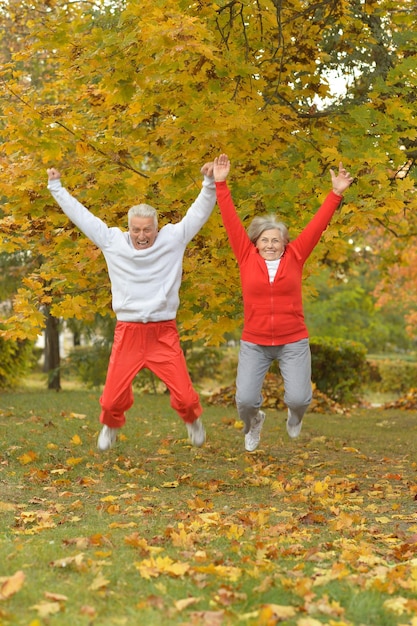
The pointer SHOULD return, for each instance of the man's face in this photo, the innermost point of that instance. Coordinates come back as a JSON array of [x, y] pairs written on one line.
[[142, 232]]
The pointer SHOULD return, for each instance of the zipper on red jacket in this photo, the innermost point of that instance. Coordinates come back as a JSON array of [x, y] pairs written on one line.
[[272, 313]]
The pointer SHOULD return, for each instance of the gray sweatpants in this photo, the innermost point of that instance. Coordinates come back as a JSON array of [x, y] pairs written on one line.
[[294, 360]]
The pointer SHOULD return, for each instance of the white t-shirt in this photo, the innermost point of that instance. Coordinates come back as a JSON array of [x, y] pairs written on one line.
[[272, 268]]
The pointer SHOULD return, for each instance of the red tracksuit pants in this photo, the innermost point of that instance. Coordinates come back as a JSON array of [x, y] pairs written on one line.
[[156, 346]]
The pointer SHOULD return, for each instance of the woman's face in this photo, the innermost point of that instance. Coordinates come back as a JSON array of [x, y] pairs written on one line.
[[270, 244]]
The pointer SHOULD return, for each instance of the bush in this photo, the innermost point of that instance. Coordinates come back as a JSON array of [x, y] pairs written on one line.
[[89, 363], [203, 363], [339, 368], [394, 376], [16, 360]]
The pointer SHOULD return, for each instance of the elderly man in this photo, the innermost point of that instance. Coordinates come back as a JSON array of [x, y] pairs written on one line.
[[145, 269]]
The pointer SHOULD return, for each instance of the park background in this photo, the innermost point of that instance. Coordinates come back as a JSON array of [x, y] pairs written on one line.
[[128, 100]]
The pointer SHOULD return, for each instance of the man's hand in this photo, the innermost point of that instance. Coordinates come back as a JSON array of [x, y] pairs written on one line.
[[53, 174], [221, 168], [342, 181], [207, 169]]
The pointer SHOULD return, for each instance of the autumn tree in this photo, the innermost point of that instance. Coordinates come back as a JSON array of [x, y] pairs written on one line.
[[128, 100]]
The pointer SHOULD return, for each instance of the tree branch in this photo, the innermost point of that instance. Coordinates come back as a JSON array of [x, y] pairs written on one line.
[[114, 158]]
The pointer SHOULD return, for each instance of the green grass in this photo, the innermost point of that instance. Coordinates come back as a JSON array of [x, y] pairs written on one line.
[[325, 525]]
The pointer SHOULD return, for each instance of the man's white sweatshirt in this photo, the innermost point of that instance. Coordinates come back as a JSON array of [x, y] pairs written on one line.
[[144, 283]]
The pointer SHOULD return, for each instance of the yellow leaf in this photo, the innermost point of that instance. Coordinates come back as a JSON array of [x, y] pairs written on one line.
[[99, 583], [178, 569], [56, 597], [72, 461], [45, 609], [7, 506], [123, 525], [270, 613], [170, 485], [182, 539], [308, 621], [82, 148], [221, 571], [88, 610], [11, 585], [154, 567], [28, 457], [235, 532], [210, 518], [76, 562], [180, 605], [76, 440], [396, 605]]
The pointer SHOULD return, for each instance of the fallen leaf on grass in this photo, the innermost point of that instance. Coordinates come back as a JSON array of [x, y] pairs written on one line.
[[72, 461], [227, 597], [207, 618], [345, 520], [309, 621], [180, 605], [137, 541], [123, 525], [82, 543], [154, 567], [271, 613], [265, 585], [156, 602], [234, 531], [99, 583], [45, 609], [11, 585], [78, 416], [76, 562], [7, 506], [27, 457], [399, 605], [56, 597], [222, 571], [325, 606], [33, 522], [88, 610]]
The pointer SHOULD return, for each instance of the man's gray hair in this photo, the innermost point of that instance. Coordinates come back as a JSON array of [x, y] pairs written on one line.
[[143, 210], [260, 224]]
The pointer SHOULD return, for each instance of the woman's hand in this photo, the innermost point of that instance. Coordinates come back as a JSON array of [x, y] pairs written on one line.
[[221, 168], [342, 181]]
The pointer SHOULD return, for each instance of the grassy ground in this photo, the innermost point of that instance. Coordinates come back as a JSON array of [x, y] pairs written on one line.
[[318, 530]]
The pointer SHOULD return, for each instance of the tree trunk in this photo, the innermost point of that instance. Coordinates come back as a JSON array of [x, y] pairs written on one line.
[[52, 356]]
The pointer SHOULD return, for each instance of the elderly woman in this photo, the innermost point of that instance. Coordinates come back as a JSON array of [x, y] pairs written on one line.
[[271, 269]]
